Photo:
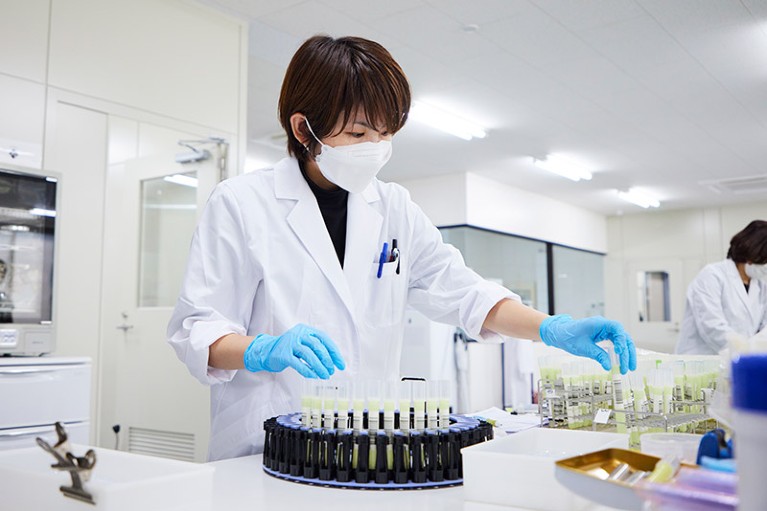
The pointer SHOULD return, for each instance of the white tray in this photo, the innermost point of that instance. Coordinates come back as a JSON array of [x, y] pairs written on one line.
[[518, 470], [120, 481]]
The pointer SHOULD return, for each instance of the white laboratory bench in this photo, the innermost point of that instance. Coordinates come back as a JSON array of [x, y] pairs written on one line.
[[240, 484]]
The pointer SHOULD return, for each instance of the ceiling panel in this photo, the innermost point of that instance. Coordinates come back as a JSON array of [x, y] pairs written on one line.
[[689, 16], [434, 34], [536, 37], [596, 13], [479, 12], [635, 45]]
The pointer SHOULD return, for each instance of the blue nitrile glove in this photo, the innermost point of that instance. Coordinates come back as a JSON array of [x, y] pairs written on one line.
[[307, 350], [579, 337]]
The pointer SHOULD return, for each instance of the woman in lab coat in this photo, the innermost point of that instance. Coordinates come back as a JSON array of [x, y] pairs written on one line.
[[309, 265], [728, 297]]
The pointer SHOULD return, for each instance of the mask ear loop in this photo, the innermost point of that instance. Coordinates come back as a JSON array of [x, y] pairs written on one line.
[[309, 127]]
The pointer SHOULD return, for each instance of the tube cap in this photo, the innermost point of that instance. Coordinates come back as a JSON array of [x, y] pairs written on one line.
[[749, 381]]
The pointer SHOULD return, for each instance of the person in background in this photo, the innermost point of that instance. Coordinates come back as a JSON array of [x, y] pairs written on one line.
[[309, 265], [728, 297]]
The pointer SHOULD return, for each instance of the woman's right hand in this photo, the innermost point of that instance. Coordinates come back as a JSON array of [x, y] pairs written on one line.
[[307, 350]]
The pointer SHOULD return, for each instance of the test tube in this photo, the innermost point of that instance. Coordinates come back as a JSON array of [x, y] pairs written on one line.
[[342, 406], [419, 405], [668, 387], [375, 406], [568, 395], [638, 391], [358, 405], [316, 407], [389, 404], [432, 404], [405, 399], [444, 404], [617, 388], [307, 391], [655, 386], [329, 404]]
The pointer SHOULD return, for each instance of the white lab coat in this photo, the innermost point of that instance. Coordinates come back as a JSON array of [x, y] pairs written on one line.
[[262, 261], [717, 304]]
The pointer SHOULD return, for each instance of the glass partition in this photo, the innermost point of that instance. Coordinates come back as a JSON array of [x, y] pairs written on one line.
[[578, 278], [517, 263]]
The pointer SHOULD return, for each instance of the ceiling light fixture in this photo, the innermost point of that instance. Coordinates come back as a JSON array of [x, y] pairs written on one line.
[[43, 212], [181, 179], [446, 121], [640, 198], [563, 167]]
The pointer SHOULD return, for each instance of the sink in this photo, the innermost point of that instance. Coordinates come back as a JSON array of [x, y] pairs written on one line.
[[120, 481]]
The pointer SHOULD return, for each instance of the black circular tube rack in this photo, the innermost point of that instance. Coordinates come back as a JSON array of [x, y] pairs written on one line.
[[377, 460]]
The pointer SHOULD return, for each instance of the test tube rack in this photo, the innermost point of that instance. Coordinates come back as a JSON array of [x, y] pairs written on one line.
[[659, 397], [363, 441]]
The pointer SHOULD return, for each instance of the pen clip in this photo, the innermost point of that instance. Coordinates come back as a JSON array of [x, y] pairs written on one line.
[[395, 253]]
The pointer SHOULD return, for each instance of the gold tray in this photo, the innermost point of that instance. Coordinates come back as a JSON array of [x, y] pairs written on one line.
[[587, 476]]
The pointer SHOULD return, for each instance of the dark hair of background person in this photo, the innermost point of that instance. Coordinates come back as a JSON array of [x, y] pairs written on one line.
[[330, 79], [750, 244]]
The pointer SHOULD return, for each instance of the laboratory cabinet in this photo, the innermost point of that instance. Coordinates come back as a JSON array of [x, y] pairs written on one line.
[[37, 392]]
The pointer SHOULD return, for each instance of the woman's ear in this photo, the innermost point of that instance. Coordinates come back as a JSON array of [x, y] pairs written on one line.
[[298, 126]]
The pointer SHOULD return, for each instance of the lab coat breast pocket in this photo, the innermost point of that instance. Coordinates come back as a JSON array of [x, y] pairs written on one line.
[[385, 300]]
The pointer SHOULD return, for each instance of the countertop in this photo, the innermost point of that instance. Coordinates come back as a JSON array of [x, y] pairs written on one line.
[[240, 484], [46, 360]]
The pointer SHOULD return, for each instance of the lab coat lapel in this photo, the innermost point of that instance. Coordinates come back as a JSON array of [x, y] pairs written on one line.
[[363, 228], [743, 295], [306, 222]]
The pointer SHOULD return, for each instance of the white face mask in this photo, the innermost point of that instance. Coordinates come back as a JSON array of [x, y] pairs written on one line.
[[353, 166], [757, 271]]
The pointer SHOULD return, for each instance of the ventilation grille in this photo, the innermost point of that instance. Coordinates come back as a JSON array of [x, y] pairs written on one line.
[[738, 185], [165, 444]]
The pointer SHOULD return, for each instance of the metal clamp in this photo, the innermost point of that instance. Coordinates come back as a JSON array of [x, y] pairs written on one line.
[[79, 468]]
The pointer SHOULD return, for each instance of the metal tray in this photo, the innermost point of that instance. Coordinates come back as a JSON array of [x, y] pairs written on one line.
[[587, 475]]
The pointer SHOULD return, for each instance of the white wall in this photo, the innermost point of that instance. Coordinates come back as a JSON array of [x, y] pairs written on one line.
[[481, 202], [163, 56], [68, 68], [507, 209], [442, 198]]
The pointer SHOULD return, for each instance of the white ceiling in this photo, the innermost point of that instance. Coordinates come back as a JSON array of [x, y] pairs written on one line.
[[656, 94]]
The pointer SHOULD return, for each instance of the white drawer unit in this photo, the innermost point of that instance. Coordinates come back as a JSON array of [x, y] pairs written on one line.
[[35, 393], [17, 438]]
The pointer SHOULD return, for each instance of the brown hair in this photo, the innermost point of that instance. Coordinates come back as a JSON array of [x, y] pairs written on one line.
[[330, 79], [750, 244]]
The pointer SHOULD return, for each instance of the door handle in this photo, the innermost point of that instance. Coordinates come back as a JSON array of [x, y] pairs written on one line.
[[125, 326]]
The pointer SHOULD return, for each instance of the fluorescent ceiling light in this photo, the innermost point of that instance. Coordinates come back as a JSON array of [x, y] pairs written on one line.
[[640, 198], [42, 212], [181, 179], [446, 121], [563, 167], [16, 228]]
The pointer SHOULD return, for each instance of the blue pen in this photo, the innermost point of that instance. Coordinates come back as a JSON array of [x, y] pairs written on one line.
[[382, 258]]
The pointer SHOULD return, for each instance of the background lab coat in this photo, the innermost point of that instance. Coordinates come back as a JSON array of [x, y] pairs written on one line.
[[717, 303], [262, 261]]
